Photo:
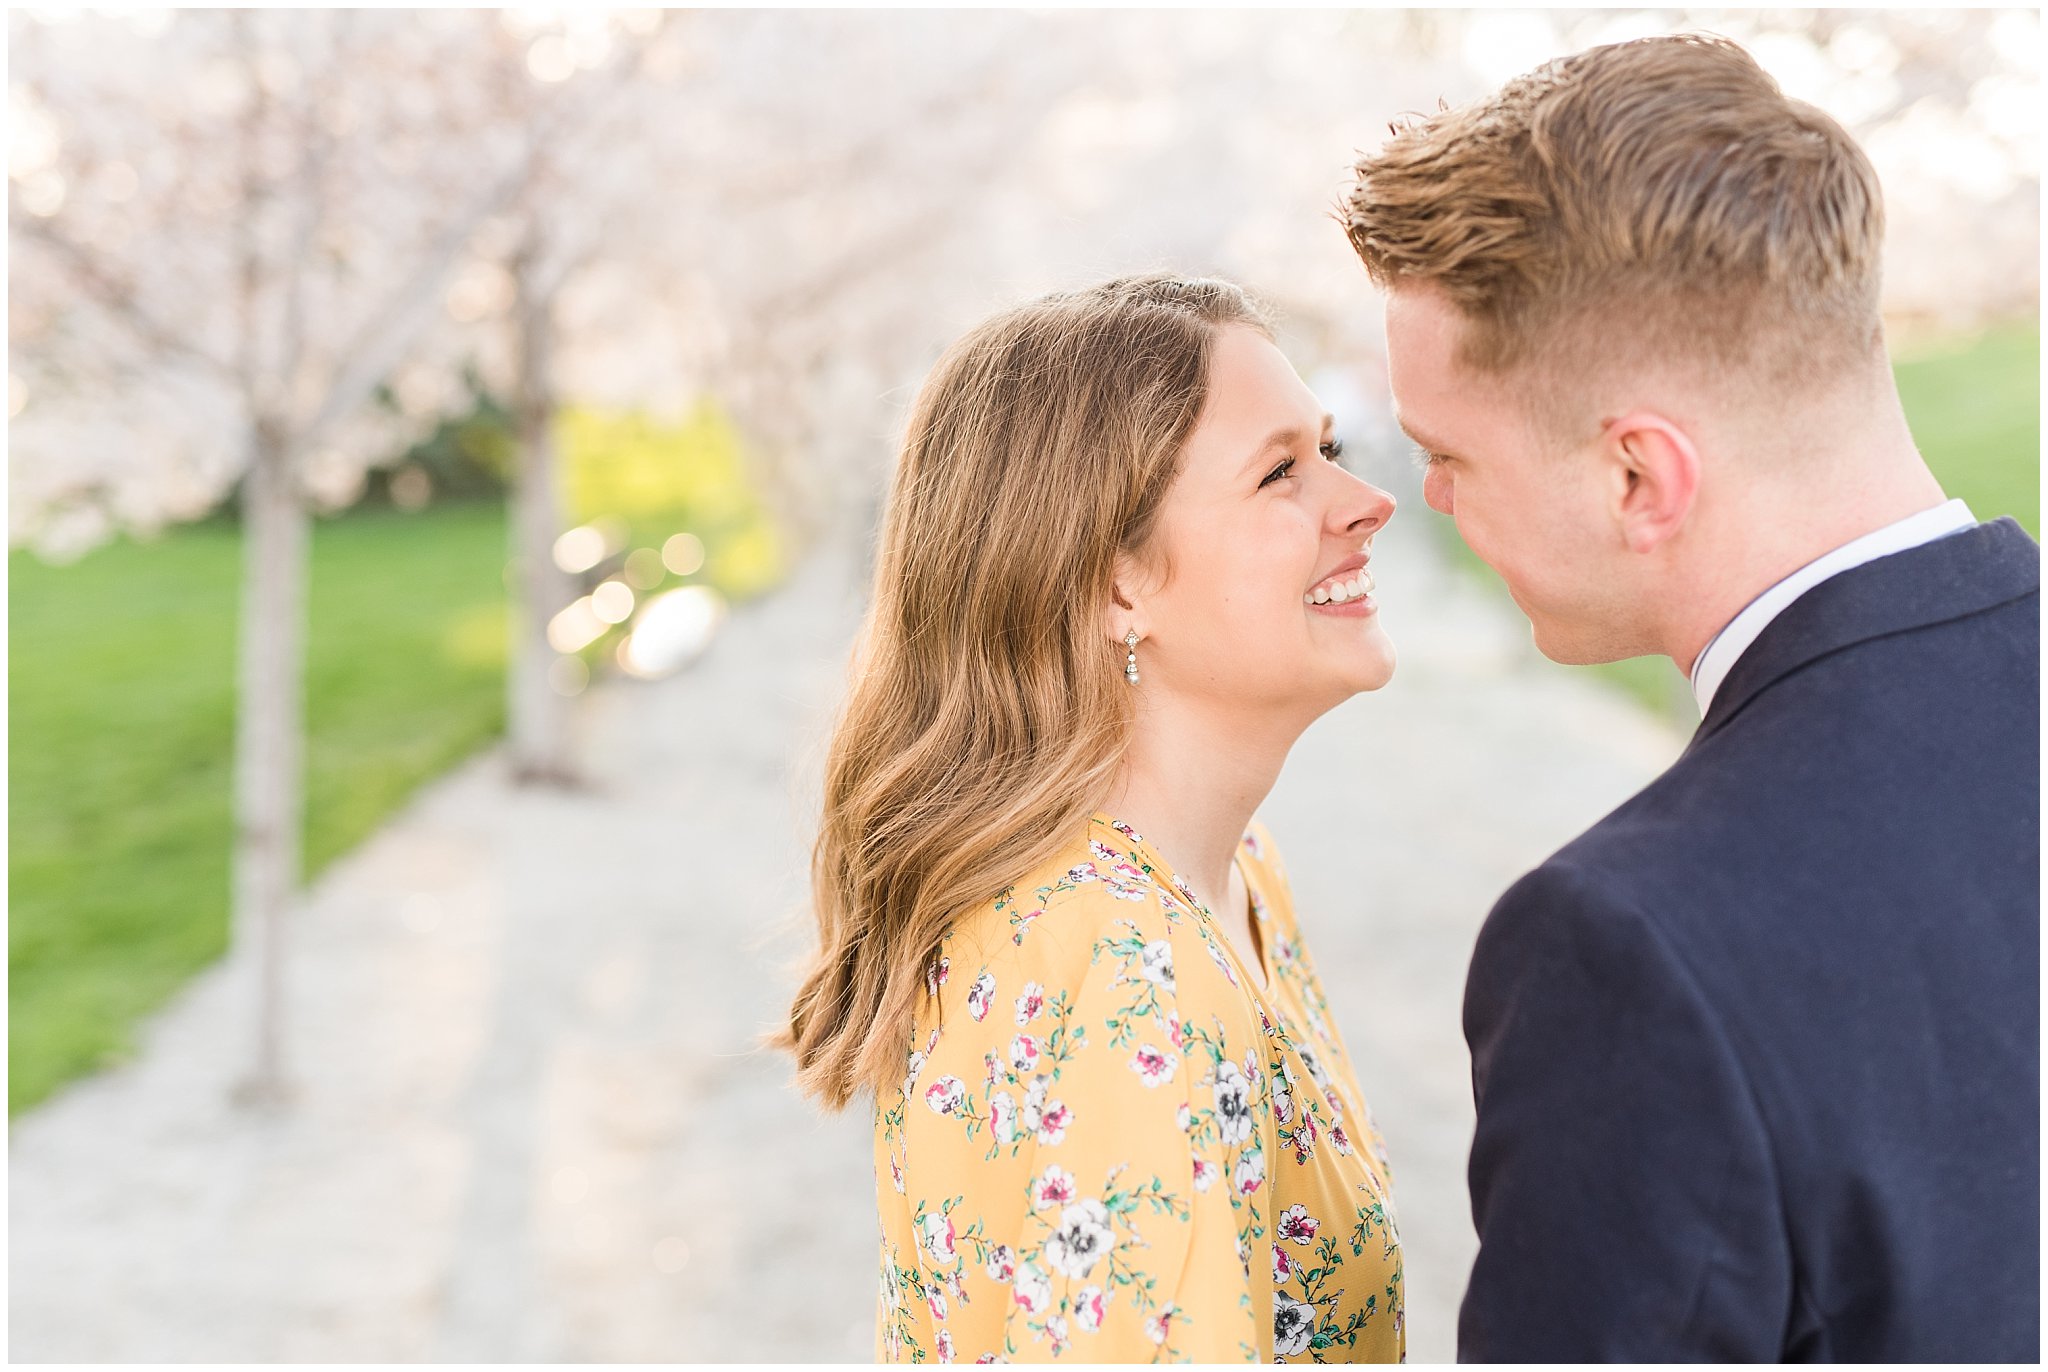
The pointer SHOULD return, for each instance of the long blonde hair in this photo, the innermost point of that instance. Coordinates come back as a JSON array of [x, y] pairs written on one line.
[[988, 710]]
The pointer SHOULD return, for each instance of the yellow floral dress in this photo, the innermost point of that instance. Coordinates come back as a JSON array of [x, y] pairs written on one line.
[[1110, 1145]]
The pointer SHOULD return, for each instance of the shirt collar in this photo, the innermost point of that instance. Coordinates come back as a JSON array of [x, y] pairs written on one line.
[[1711, 668]]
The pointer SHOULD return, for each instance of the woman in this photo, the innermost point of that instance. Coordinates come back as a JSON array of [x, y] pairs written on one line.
[[1121, 572]]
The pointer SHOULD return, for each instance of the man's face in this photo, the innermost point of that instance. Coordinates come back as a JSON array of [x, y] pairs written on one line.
[[1538, 517]]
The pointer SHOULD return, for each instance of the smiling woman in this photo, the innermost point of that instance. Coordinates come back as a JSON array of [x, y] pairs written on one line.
[[1122, 570]]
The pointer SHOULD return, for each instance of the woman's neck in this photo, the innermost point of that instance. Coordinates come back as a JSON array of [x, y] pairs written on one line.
[[1190, 784]]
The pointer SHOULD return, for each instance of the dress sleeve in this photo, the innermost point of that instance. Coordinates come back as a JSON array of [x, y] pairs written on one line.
[[1623, 1184], [1067, 1146]]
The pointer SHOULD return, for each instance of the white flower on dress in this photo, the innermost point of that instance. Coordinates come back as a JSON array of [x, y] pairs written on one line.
[[1030, 1001], [980, 996], [1152, 1066], [1282, 1267], [917, 1062], [1174, 1034], [1155, 964], [1340, 1140], [896, 1173], [1294, 1325], [1053, 1122], [945, 1095], [1089, 1308], [1249, 1172], [1185, 1118], [1160, 1327], [1233, 1103], [1304, 1138], [1082, 1239], [1298, 1225], [1023, 1054], [1316, 1071], [945, 1342], [1206, 1173], [1055, 1186], [1103, 852], [989, 1358], [1222, 963], [1056, 1332], [938, 1239], [1083, 872], [1033, 1111], [935, 1300], [945, 969], [1002, 1264], [1002, 1117], [1283, 1105], [1033, 1289]]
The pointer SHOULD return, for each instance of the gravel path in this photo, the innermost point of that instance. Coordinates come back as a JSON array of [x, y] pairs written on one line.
[[531, 1126]]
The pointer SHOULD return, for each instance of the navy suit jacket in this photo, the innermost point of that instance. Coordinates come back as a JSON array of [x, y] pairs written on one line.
[[1756, 1058]]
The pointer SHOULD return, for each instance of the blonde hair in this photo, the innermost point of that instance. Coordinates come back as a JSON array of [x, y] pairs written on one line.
[[988, 711], [1660, 197]]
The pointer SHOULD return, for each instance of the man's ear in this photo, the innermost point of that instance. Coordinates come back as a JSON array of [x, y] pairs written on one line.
[[1654, 467]]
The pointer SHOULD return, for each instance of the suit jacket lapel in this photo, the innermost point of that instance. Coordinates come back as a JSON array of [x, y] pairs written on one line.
[[1935, 582]]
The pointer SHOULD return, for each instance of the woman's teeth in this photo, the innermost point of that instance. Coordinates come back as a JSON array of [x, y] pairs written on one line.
[[1337, 592]]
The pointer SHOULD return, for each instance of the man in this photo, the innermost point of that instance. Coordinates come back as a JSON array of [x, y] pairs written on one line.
[[1756, 1058]]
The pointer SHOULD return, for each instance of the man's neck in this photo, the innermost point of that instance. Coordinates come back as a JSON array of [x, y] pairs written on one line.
[[1190, 784], [1768, 545]]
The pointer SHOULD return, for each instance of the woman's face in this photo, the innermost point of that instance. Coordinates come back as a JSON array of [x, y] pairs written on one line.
[[1266, 540]]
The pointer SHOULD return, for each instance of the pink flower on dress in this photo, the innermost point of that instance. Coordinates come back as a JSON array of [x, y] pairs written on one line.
[[1055, 1188], [1002, 1117], [1340, 1140], [1206, 1173], [1103, 852], [1174, 1034], [1298, 1226], [945, 1095], [935, 1300], [938, 1238], [1152, 1066], [1282, 1268], [1053, 1121], [1305, 1139], [1089, 1307], [1002, 1263], [1160, 1327], [945, 968], [1030, 1001], [1023, 1054], [980, 995], [1033, 1289], [896, 1173], [1250, 1172], [945, 1342]]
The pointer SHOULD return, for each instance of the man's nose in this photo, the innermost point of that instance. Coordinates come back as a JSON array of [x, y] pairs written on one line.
[[1436, 490]]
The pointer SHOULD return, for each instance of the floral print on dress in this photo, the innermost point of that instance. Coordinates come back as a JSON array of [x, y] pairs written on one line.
[[1107, 1085]]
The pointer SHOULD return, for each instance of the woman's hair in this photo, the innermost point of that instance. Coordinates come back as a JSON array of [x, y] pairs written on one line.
[[988, 709]]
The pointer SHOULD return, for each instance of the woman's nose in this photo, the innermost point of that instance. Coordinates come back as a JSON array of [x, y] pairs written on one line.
[[1368, 510]]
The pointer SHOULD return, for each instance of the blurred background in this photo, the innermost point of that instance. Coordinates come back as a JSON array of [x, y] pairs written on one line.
[[444, 450]]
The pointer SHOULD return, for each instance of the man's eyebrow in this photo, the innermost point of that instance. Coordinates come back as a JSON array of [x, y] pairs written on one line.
[[1420, 440], [1285, 438]]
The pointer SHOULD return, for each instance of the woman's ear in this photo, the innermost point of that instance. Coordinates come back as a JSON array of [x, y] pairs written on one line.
[[1655, 471], [1124, 610]]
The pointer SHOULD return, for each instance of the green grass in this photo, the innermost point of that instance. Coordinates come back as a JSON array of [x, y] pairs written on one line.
[[121, 696], [1975, 410], [1974, 405]]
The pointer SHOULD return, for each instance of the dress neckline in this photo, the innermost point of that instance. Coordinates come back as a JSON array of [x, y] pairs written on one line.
[[1173, 884]]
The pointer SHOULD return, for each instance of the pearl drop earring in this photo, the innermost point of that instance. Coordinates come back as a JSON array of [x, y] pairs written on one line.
[[1131, 658]]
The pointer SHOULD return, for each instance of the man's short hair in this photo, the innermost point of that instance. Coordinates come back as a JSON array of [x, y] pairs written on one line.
[[1660, 198]]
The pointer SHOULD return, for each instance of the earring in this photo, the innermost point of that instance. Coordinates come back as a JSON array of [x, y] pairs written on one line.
[[1131, 658]]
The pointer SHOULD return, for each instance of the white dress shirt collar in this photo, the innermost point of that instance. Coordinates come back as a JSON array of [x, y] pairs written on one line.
[[1711, 668]]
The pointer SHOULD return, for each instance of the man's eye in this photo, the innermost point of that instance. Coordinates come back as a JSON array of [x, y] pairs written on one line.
[[1278, 472], [1334, 450], [1426, 459]]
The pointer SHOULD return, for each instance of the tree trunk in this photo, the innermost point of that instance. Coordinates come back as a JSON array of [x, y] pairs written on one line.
[[269, 733], [538, 714]]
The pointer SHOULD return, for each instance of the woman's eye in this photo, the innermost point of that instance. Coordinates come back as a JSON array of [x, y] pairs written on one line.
[[1334, 450], [1282, 470]]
